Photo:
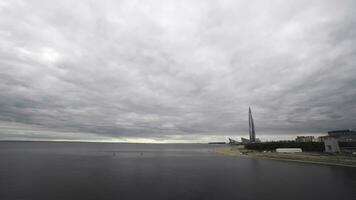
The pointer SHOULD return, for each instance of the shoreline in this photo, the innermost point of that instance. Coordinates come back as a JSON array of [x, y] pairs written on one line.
[[308, 158]]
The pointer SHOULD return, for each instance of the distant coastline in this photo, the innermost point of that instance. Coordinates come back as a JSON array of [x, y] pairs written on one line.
[[101, 142]]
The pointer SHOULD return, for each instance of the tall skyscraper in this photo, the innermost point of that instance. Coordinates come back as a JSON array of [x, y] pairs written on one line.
[[251, 126]]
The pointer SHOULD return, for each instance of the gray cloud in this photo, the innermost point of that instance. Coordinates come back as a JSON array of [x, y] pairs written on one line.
[[175, 70]]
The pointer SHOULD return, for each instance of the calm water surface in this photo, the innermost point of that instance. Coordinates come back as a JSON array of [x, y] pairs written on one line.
[[51, 171]]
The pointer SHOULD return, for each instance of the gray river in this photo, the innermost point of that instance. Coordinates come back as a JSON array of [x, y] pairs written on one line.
[[64, 171]]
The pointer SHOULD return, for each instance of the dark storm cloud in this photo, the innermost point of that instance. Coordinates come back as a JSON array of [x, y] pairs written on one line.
[[175, 70]]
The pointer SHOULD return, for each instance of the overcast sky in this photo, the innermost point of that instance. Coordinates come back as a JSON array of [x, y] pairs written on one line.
[[183, 70]]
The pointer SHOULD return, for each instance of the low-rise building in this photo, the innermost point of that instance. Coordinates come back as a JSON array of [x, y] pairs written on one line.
[[232, 141], [322, 138], [245, 141], [348, 135], [305, 139]]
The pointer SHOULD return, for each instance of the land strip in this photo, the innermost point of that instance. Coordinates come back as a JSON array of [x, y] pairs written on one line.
[[346, 160]]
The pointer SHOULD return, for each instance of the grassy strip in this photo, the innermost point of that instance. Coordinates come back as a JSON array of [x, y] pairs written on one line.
[[337, 160], [312, 160]]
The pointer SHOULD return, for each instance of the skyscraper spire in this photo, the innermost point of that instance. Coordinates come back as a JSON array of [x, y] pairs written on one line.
[[251, 126]]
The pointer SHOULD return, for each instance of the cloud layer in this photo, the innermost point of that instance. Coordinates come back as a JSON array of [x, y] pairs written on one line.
[[175, 70]]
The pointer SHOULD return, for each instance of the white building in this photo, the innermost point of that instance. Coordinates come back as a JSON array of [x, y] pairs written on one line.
[[289, 150]]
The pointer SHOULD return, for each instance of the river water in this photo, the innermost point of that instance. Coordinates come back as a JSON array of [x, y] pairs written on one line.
[[65, 171]]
